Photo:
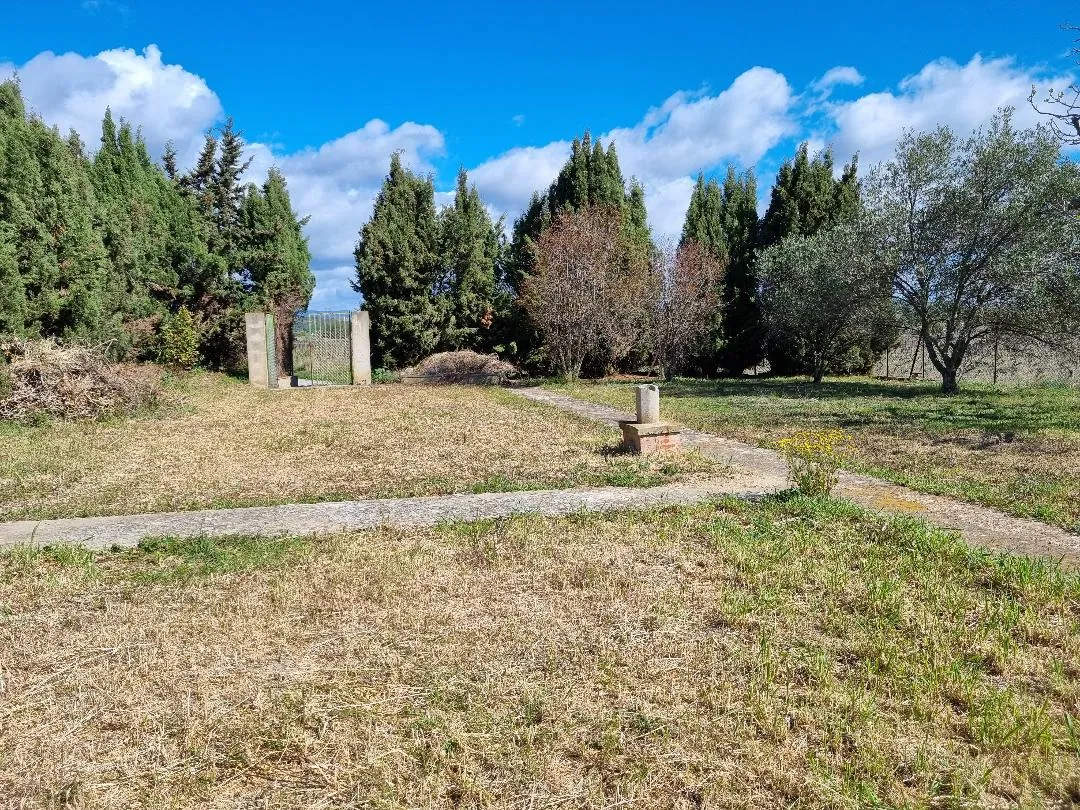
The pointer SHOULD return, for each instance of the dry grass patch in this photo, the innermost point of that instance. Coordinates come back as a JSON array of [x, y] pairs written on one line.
[[228, 444], [799, 655], [1015, 448]]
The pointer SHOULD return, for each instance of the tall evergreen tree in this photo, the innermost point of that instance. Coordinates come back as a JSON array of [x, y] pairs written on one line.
[[132, 225], [47, 203], [397, 269], [705, 217], [723, 219], [806, 198], [278, 260], [591, 177], [103, 249], [470, 247], [742, 330]]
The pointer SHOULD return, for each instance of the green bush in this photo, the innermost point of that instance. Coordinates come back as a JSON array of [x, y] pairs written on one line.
[[382, 375], [180, 340]]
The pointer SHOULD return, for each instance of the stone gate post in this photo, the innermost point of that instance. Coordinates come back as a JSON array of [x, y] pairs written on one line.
[[261, 349], [360, 350]]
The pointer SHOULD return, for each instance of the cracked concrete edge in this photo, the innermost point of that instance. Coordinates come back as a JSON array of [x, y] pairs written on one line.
[[320, 518]]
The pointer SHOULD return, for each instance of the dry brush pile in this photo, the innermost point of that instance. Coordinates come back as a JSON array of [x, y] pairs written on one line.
[[66, 381], [461, 367]]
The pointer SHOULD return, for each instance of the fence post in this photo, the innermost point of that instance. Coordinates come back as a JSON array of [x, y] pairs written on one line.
[[262, 362], [360, 347]]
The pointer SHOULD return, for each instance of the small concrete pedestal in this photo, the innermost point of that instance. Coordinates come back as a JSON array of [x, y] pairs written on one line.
[[648, 434]]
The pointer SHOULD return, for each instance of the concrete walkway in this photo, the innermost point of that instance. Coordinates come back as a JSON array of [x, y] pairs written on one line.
[[760, 470], [306, 519]]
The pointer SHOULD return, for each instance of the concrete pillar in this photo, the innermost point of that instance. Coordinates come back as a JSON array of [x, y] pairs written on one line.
[[360, 350], [257, 355], [648, 404]]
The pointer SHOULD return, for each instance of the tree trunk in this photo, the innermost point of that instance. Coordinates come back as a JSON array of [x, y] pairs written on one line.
[[949, 384], [818, 377]]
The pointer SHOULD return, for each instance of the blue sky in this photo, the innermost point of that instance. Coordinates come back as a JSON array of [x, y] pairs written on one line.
[[326, 90]]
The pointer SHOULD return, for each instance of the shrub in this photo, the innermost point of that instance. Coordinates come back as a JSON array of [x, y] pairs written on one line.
[[814, 457], [383, 375], [180, 341]]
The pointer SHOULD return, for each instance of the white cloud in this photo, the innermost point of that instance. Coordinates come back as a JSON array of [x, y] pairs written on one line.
[[72, 92], [689, 132], [333, 289], [507, 182], [841, 74], [943, 92]]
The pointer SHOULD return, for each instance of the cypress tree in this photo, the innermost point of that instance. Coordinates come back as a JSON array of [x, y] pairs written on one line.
[[742, 331], [470, 248], [278, 260], [168, 161], [704, 218], [397, 268], [590, 177], [47, 204], [134, 230], [805, 199]]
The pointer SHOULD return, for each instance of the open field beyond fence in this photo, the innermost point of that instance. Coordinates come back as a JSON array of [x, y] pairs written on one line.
[[224, 443], [800, 654], [1014, 448]]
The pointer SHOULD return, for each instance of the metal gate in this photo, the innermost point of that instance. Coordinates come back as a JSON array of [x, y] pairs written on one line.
[[321, 350]]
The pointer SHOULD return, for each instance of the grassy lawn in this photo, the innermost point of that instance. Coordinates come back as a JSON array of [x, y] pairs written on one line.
[[1013, 448], [225, 443], [799, 654]]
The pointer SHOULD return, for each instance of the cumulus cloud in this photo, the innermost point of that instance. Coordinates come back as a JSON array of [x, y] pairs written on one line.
[[687, 133], [507, 182], [841, 74], [943, 92], [72, 92]]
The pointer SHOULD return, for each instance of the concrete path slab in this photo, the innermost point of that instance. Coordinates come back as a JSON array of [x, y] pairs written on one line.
[[307, 519], [762, 470]]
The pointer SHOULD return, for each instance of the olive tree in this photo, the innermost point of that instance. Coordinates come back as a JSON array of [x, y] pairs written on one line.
[[1061, 106], [827, 294], [979, 240]]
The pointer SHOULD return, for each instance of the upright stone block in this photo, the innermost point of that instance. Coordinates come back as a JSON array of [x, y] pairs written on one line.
[[258, 353], [360, 338], [648, 434], [648, 404]]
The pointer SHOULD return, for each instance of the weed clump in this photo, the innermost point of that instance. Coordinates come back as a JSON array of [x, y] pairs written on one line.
[[814, 457]]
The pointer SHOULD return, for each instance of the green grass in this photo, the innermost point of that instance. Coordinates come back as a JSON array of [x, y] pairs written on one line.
[[796, 653], [1015, 448]]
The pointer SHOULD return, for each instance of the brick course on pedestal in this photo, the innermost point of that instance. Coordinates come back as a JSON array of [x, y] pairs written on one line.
[[657, 437]]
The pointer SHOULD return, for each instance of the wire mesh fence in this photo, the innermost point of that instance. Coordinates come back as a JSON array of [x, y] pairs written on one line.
[[992, 362], [321, 350]]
